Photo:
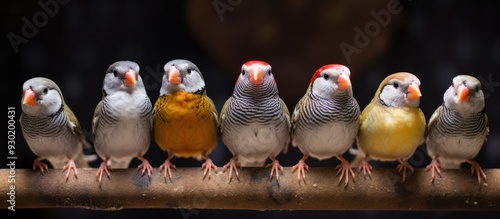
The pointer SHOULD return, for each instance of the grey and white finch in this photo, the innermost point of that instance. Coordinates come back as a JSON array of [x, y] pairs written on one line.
[[325, 121], [458, 128], [50, 128], [122, 120], [255, 122]]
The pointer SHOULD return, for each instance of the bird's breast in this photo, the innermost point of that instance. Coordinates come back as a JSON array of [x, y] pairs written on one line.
[[184, 124], [326, 140], [391, 133]]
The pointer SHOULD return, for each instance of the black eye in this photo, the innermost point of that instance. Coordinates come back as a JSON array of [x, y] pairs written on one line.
[[243, 72], [268, 72], [46, 90], [115, 73], [326, 77], [478, 88], [189, 70], [396, 85]]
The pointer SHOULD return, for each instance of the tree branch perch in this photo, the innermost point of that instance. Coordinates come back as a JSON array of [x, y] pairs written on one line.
[[456, 190]]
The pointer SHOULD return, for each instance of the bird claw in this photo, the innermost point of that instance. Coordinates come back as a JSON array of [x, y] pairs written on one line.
[[208, 166], [402, 166], [166, 167], [434, 167], [479, 171], [103, 169], [366, 168], [70, 166], [344, 170], [301, 166], [233, 164], [40, 165], [145, 166], [275, 167]]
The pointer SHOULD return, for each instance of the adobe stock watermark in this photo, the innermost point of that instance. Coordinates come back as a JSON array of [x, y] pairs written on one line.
[[221, 7], [40, 19], [372, 29], [488, 85], [152, 78], [11, 157]]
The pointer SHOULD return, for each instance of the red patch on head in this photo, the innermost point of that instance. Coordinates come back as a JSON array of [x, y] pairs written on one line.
[[338, 67], [256, 62]]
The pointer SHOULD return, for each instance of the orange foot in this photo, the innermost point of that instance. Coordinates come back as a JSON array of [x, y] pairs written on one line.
[[402, 166], [145, 166], [344, 169], [103, 169], [366, 168], [166, 169], [301, 166], [434, 167], [275, 168], [208, 166], [479, 171], [70, 166], [233, 164], [37, 164]]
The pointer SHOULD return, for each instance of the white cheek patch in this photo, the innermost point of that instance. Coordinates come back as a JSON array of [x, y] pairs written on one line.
[[323, 88], [193, 83], [392, 96]]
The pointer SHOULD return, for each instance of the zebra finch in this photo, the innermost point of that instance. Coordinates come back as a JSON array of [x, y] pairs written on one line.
[[458, 128], [325, 121], [185, 118], [122, 120], [255, 122], [50, 128], [392, 124]]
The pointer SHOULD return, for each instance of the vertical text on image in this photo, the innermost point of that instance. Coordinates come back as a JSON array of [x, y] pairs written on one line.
[[11, 157]]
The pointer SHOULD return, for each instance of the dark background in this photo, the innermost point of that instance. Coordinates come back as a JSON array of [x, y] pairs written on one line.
[[435, 40]]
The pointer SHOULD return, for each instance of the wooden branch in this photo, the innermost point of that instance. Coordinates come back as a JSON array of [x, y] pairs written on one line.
[[456, 190]]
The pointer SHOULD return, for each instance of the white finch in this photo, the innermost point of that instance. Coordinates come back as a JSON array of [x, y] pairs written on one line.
[[458, 128], [50, 128], [122, 120]]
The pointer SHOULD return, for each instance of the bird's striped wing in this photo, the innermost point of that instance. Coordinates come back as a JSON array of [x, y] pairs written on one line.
[[75, 127], [95, 119], [433, 121]]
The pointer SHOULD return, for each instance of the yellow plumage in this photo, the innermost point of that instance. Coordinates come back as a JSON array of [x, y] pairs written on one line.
[[185, 124], [388, 133], [392, 125]]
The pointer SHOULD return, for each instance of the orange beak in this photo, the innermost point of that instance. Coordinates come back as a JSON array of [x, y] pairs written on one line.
[[343, 82], [463, 93], [256, 76], [174, 76], [414, 91], [130, 76], [29, 98]]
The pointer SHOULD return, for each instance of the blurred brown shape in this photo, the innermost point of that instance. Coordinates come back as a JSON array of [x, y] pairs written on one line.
[[296, 37]]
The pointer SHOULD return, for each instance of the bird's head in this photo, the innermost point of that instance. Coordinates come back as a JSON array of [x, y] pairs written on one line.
[[465, 93], [256, 77], [122, 76], [331, 80], [400, 89], [41, 97], [181, 75]]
